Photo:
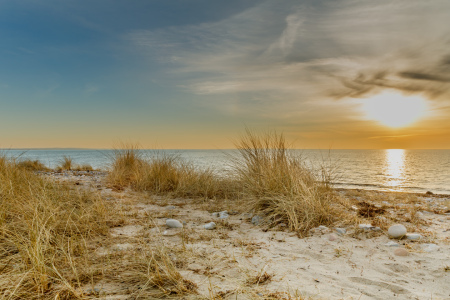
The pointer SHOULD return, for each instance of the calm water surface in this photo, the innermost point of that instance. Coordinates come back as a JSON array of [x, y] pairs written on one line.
[[391, 170]]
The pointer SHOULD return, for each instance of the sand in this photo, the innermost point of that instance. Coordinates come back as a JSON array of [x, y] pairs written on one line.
[[239, 260]]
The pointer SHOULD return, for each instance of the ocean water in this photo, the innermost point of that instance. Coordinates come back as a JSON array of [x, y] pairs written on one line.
[[386, 170]]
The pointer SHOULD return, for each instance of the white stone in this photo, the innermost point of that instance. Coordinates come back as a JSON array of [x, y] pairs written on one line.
[[366, 226], [413, 236], [172, 223], [397, 231], [210, 226], [321, 227], [223, 214], [391, 244]]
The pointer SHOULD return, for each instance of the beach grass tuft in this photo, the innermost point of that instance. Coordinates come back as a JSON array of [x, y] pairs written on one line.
[[279, 185], [166, 174]]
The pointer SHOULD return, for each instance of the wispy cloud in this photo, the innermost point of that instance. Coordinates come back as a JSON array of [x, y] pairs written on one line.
[[304, 55]]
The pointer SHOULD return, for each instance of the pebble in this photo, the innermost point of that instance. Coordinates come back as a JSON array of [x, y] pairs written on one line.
[[221, 214], [391, 244], [401, 252], [256, 220], [321, 227], [210, 226], [332, 237], [397, 231], [366, 226], [172, 223], [429, 247], [413, 236], [341, 231]]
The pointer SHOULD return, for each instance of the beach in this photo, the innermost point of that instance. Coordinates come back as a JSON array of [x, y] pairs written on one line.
[[242, 258]]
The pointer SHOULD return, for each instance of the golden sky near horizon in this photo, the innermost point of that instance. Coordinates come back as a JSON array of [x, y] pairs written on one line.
[[333, 74]]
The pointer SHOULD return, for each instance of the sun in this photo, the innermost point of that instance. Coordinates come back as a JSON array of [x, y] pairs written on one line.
[[394, 109]]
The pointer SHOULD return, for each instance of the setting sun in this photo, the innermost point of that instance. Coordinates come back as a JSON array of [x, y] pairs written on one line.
[[394, 109]]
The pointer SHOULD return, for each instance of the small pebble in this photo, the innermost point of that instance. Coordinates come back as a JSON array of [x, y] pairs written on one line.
[[413, 236], [341, 231], [256, 220], [397, 231], [172, 223], [210, 226], [366, 226], [401, 252], [321, 227], [391, 244], [332, 237]]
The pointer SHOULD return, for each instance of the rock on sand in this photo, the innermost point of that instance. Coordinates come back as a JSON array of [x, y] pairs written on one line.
[[397, 231], [172, 223]]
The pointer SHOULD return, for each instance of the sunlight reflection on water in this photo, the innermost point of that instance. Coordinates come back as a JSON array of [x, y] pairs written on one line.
[[395, 165]]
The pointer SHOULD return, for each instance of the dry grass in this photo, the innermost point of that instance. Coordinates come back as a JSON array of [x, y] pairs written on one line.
[[166, 174], [280, 186], [48, 236], [43, 232], [32, 165], [65, 164]]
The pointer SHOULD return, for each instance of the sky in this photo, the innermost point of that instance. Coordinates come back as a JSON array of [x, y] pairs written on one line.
[[194, 74]]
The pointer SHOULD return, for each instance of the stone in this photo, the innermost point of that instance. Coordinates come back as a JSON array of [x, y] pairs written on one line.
[[221, 214], [401, 252], [341, 231], [429, 247], [172, 223], [413, 236], [366, 226], [391, 244], [332, 237], [256, 220], [397, 231], [210, 226], [321, 227]]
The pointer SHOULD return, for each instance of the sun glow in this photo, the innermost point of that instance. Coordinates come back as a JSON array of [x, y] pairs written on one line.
[[394, 109]]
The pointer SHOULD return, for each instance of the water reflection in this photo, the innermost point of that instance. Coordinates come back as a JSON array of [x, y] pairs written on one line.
[[395, 165]]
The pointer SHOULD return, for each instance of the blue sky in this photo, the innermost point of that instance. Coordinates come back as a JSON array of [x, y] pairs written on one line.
[[193, 74]]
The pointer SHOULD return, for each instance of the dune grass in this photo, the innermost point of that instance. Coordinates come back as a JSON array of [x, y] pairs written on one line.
[[65, 164], [166, 174], [43, 233], [279, 185], [273, 181], [32, 165], [48, 232]]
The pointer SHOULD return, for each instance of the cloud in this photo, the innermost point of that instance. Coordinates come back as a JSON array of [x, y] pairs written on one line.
[[300, 55]]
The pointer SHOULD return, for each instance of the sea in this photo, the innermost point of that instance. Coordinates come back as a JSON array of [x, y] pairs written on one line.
[[400, 170]]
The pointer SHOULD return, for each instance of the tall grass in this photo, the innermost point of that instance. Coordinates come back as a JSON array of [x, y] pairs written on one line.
[[32, 165], [65, 164], [279, 185], [166, 174], [43, 233], [266, 174]]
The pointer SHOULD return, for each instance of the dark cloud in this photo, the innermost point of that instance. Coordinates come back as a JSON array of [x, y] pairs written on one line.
[[423, 76], [431, 78]]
